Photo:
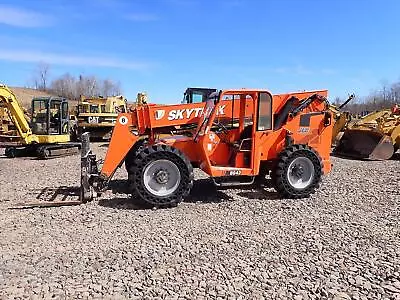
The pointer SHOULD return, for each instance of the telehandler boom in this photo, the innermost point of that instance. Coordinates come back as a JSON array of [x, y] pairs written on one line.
[[287, 138]]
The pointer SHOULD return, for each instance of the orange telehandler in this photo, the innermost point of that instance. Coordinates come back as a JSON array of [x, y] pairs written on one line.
[[288, 137]]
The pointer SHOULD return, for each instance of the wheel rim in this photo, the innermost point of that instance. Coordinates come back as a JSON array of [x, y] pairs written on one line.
[[161, 177], [300, 172]]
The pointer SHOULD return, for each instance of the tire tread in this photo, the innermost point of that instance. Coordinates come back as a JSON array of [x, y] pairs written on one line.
[[279, 179], [151, 153]]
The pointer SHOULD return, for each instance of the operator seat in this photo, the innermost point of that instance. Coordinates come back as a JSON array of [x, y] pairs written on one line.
[[243, 144]]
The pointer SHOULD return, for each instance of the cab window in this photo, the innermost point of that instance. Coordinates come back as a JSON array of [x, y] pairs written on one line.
[[197, 98], [82, 109], [64, 110], [264, 120], [94, 109]]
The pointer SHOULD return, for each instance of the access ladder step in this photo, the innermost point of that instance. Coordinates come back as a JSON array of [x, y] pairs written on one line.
[[233, 180]]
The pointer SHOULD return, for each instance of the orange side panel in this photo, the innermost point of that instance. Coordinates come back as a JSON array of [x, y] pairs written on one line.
[[280, 99], [221, 155], [121, 142], [186, 145], [317, 136]]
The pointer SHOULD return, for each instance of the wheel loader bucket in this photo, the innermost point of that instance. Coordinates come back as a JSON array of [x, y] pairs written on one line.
[[365, 144]]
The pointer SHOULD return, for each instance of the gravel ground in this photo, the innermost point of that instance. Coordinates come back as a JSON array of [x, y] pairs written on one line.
[[343, 243]]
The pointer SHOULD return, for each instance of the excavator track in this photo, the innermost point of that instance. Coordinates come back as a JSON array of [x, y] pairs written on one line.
[[42, 151], [58, 150]]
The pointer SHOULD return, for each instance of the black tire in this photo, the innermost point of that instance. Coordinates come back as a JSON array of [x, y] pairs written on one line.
[[10, 152], [280, 177], [396, 148], [74, 134], [130, 156], [137, 170], [43, 152]]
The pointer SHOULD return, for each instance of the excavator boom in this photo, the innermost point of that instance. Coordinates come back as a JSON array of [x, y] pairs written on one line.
[[16, 114]]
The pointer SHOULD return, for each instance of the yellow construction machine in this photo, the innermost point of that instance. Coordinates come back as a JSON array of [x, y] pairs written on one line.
[[342, 119], [6, 125], [46, 136], [375, 136], [97, 115]]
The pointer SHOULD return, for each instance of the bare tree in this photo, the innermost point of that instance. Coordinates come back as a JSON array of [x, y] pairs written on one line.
[[107, 87], [110, 88], [41, 75], [88, 86], [65, 86], [337, 101], [385, 97]]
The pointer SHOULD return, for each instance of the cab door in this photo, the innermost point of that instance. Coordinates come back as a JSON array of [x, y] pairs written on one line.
[[54, 116], [64, 118], [58, 117], [263, 127]]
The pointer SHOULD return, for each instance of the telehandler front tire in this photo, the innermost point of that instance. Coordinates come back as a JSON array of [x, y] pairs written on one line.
[[133, 152], [160, 176], [298, 172]]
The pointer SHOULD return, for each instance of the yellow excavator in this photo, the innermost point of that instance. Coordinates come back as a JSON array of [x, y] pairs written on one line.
[[46, 136], [375, 136]]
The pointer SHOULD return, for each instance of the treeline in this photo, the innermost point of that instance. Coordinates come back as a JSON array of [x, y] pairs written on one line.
[[72, 87], [385, 97], [89, 86]]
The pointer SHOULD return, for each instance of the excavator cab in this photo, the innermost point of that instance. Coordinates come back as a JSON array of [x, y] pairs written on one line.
[[50, 116], [196, 95]]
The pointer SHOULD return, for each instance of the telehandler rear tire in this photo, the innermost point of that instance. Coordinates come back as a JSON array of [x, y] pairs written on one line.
[[160, 176], [298, 172]]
